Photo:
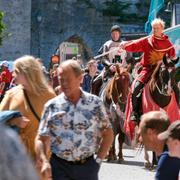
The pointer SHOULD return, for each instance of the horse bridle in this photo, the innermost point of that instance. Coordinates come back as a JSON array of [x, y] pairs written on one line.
[[161, 91]]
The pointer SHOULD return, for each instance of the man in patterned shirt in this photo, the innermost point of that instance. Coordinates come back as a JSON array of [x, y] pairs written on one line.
[[77, 127]]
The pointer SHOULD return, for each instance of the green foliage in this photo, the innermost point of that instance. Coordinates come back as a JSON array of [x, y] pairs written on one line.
[[115, 8], [143, 4], [119, 9], [88, 3], [2, 26]]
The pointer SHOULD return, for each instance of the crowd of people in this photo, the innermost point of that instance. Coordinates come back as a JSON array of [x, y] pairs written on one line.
[[62, 123]]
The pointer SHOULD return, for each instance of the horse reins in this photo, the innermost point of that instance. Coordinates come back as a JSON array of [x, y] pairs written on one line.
[[160, 92]]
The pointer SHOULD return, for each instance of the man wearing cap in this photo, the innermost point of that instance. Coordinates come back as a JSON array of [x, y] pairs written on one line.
[[169, 163], [5, 78], [112, 57]]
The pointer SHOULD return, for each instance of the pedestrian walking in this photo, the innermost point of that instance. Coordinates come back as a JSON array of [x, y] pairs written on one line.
[[77, 125], [28, 97], [151, 124]]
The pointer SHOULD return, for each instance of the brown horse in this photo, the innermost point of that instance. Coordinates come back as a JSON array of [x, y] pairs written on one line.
[[114, 97], [161, 93]]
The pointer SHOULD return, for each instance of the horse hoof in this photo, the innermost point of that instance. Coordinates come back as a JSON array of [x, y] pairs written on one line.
[[111, 159], [148, 165], [120, 160]]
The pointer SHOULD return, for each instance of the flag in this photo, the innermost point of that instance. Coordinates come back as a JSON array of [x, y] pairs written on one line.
[[155, 6]]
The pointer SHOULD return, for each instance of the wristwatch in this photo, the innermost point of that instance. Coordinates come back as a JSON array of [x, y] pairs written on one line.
[[98, 160]]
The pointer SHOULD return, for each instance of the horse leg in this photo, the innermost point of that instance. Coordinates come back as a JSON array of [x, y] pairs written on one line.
[[112, 153], [147, 163], [154, 159], [121, 141]]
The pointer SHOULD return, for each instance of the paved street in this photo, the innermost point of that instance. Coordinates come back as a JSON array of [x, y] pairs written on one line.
[[131, 169]]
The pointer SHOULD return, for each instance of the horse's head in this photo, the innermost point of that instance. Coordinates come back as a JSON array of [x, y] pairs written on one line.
[[163, 77], [120, 86]]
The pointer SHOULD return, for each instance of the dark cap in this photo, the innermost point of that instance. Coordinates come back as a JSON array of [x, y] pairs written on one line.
[[115, 28], [172, 131]]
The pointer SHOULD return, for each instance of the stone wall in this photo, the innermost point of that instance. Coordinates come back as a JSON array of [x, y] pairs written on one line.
[[18, 28], [60, 20], [37, 27]]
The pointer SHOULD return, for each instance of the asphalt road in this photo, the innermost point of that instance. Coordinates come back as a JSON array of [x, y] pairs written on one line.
[[131, 169]]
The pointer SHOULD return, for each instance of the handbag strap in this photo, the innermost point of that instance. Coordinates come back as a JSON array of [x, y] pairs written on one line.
[[31, 107]]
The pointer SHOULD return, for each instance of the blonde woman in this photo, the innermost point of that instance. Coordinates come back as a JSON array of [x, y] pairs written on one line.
[[28, 97]]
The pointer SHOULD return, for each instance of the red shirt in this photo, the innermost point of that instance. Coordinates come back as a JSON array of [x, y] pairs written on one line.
[[5, 76], [154, 48]]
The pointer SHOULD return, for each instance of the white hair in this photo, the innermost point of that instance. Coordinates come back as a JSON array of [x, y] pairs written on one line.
[[158, 21]]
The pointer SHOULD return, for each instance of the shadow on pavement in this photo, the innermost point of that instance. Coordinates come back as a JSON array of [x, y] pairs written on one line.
[[128, 156], [126, 162], [132, 163]]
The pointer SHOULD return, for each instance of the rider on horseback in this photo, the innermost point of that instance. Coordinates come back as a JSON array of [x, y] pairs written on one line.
[[154, 47], [110, 58]]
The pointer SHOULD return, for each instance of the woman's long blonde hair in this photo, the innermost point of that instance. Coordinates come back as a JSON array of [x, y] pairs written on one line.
[[31, 69]]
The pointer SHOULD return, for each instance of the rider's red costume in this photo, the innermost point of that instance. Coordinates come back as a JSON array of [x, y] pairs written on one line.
[[171, 109], [154, 49]]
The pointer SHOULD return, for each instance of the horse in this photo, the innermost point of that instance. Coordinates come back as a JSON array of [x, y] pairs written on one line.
[[160, 93], [114, 96]]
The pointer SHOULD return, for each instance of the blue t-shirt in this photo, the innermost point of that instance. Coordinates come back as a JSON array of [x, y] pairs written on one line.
[[168, 167]]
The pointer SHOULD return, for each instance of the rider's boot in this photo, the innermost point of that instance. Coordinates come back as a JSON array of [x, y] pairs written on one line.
[[136, 101]]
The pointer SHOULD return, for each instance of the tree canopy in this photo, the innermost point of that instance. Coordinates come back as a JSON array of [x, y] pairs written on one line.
[[2, 26]]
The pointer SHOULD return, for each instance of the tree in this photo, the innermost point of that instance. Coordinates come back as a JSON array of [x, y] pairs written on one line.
[[120, 9], [2, 26]]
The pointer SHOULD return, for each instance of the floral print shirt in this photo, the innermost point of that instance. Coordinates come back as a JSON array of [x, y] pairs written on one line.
[[75, 130]]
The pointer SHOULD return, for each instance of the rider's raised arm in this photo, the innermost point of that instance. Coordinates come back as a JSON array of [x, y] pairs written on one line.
[[134, 45]]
